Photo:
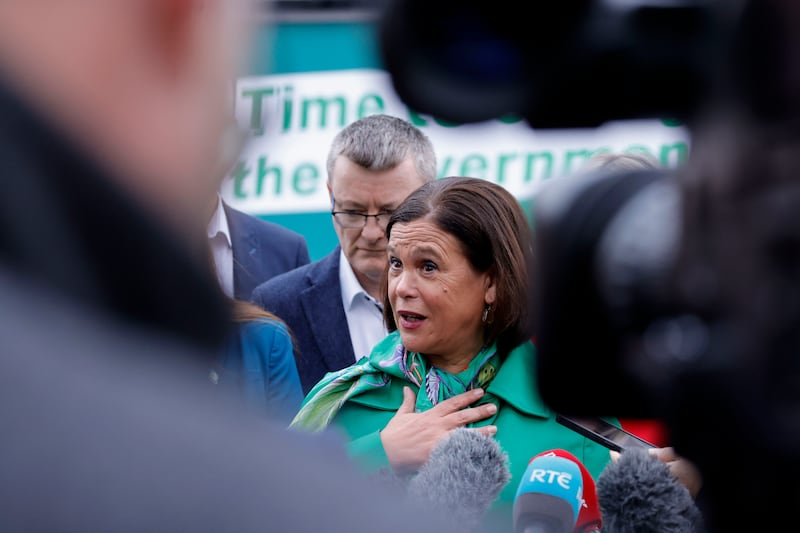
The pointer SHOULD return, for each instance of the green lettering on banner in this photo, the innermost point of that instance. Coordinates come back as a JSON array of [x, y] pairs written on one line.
[[533, 157], [446, 123], [502, 160], [523, 168], [474, 165], [263, 172], [572, 155], [444, 168], [416, 119], [256, 119], [306, 179], [239, 174], [510, 119], [369, 105], [288, 106], [322, 104], [681, 151]]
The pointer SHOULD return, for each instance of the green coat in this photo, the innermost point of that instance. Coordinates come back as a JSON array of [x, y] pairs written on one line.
[[525, 425]]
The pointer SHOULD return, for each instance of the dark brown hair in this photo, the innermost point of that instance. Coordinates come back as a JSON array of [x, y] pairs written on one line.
[[244, 311], [495, 237]]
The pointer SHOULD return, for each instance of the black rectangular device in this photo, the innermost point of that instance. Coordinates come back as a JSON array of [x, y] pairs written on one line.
[[605, 433]]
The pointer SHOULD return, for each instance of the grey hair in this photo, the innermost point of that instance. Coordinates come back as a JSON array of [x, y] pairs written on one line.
[[620, 162], [381, 142]]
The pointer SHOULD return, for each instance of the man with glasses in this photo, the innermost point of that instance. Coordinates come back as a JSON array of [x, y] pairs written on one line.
[[334, 305]]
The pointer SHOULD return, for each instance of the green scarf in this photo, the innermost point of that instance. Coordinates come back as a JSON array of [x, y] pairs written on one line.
[[389, 360]]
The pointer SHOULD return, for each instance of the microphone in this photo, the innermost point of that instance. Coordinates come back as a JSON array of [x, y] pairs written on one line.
[[549, 496], [639, 493], [589, 518], [462, 478]]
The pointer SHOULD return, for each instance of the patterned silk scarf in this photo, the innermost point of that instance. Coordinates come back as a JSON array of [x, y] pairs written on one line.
[[389, 360]]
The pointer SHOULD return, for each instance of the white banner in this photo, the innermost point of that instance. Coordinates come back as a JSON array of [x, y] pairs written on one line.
[[292, 119]]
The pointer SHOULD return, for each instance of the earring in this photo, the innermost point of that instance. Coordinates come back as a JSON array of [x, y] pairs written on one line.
[[485, 316]]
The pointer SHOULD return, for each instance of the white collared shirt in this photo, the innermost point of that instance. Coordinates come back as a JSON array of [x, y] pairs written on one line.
[[364, 314], [219, 237]]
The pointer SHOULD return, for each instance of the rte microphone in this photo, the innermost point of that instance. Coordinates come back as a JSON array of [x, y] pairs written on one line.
[[549, 496], [589, 518], [462, 478]]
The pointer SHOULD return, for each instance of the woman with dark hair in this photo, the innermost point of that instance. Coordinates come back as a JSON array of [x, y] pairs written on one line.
[[258, 360], [459, 352]]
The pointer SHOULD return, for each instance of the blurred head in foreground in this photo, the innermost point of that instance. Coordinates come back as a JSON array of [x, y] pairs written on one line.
[[143, 86]]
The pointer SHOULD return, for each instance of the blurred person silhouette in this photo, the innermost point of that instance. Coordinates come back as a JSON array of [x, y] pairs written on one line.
[[334, 305], [112, 115]]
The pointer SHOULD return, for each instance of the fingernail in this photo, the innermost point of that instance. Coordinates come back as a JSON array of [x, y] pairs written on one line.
[[492, 408], [614, 455], [477, 392], [492, 430]]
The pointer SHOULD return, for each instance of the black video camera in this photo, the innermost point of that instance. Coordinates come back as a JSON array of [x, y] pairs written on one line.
[[656, 293]]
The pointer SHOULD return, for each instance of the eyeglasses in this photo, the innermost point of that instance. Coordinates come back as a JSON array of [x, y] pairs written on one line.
[[352, 219]]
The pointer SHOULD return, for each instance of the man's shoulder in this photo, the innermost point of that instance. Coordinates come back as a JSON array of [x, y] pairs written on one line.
[[264, 228], [291, 282], [286, 282]]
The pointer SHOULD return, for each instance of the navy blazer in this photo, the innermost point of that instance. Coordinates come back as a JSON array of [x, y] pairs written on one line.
[[261, 251], [309, 300]]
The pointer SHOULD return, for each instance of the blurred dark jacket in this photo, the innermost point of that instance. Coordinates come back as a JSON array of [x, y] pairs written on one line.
[[261, 251], [107, 329]]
